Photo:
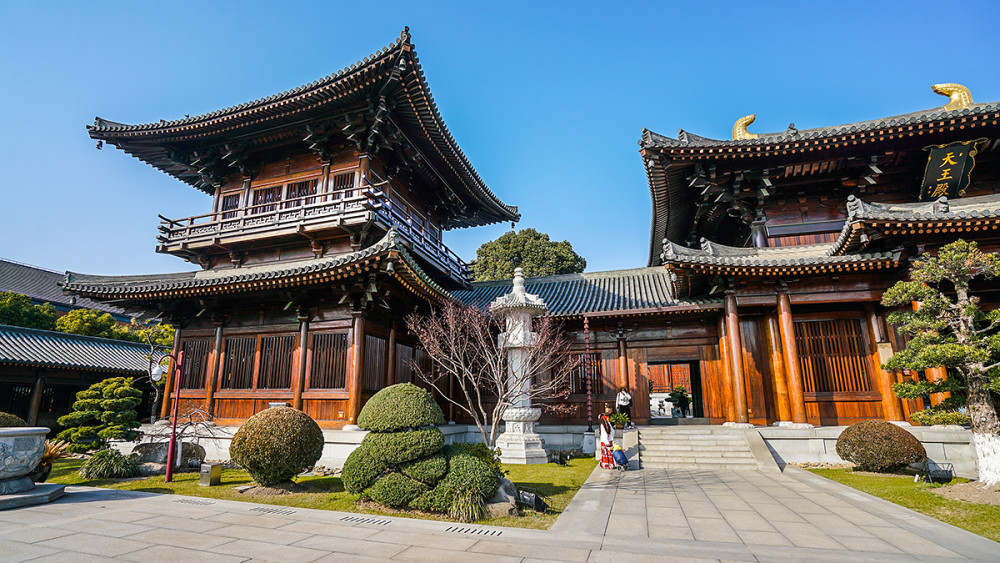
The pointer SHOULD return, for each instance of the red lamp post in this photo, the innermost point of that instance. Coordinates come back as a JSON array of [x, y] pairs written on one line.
[[155, 373]]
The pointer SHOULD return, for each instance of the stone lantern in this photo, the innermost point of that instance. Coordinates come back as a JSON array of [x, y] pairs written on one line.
[[519, 443]]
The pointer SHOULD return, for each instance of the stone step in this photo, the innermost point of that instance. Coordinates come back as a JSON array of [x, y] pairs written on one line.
[[691, 443], [687, 448], [734, 453], [697, 459], [702, 466]]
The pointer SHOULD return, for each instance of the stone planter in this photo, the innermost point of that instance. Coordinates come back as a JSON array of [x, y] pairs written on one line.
[[21, 449]]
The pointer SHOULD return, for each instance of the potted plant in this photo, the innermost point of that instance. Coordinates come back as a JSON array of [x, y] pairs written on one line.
[[620, 420], [53, 450]]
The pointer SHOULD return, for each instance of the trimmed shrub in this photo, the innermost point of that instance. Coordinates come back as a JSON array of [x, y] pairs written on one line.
[[879, 446], [428, 470], [396, 490], [10, 420], [105, 411], [467, 473], [277, 444], [485, 455], [400, 407], [109, 464], [438, 499], [930, 417], [400, 447], [360, 470]]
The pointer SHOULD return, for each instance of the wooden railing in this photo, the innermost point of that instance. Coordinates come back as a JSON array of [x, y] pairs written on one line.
[[344, 205]]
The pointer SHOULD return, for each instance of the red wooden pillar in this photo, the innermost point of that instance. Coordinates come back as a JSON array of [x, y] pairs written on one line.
[[727, 380], [892, 409], [778, 369], [36, 399], [390, 358], [622, 362], [795, 387], [939, 373], [735, 346], [357, 368], [299, 381], [211, 382]]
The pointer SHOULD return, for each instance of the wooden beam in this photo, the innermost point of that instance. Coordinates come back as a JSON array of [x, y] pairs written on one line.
[[390, 368], [357, 367], [795, 387], [735, 348]]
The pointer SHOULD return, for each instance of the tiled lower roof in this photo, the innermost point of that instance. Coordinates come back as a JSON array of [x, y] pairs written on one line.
[[43, 285], [43, 348], [579, 294], [247, 278], [811, 255], [986, 206]]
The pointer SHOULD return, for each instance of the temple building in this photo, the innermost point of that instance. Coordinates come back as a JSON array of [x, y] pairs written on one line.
[[768, 257], [328, 204]]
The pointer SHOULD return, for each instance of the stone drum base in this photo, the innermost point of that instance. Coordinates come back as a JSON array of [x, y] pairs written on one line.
[[40, 494]]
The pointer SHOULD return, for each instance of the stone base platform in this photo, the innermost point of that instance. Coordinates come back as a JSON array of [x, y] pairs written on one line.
[[41, 494]]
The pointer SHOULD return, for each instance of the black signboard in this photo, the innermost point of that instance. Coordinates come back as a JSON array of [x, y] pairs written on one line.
[[948, 170]]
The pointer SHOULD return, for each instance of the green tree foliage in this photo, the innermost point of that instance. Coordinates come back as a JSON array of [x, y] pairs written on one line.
[[105, 411], [87, 322], [527, 249], [18, 310], [949, 329]]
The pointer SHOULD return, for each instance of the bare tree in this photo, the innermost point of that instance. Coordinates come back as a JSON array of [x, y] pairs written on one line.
[[469, 346]]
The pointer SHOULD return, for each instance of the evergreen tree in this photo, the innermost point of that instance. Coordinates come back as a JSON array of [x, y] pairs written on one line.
[[105, 411], [18, 310], [948, 328], [527, 249]]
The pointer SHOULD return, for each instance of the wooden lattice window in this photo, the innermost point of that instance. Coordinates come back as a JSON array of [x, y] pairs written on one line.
[[195, 363], [343, 185], [265, 200], [583, 368], [329, 361], [276, 362], [237, 365], [230, 202], [833, 356], [297, 190], [405, 355], [375, 362]]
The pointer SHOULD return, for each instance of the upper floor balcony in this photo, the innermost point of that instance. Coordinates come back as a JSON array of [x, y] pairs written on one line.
[[313, 216]]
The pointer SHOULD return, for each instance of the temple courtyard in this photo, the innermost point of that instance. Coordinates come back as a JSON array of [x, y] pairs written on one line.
[[650, 514]]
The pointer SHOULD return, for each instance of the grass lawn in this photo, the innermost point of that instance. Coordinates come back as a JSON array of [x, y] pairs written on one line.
[[982, 519], [556, 482]]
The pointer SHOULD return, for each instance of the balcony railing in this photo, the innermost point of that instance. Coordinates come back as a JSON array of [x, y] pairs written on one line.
[[343, 207]]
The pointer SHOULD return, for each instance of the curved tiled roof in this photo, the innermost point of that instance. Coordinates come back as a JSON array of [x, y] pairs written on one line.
[[415, 111], [688, 140], [43, 285], [43, 348], [247, 278], [712, 254], [573, 295]]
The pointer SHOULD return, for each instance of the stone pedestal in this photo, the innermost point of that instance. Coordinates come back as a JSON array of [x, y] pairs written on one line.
[[589, 444], [519, 443]]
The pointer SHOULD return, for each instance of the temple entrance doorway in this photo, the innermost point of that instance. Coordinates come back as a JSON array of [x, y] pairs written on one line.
[[663, 378]]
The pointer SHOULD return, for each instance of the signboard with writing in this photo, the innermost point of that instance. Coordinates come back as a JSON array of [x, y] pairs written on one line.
[[948, 170]]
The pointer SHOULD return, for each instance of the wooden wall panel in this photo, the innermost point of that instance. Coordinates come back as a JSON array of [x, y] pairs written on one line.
[[325, 409], [841, 413], [639, 383], [713, 374], [757, 372]]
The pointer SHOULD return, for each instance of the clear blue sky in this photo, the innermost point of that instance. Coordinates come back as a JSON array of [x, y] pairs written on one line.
[[546, 99]]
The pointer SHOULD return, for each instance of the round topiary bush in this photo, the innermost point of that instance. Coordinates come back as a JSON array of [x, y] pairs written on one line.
[[428, 470], [396, 490], [400, 447], [10, 420], [467, 474], [879, 446], [277, 444], [361, 470], [400, 407]]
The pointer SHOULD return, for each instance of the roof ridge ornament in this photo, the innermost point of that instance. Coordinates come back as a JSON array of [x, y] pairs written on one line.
[[959, 96], [740, 132], [404, 37]]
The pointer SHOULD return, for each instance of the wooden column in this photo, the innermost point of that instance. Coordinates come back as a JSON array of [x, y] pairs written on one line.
[[390, 358], [778, 369], [892, 409], [735, 349], [299, 381], [939, 373], [36, 399], [727, 379], [791, 352], [213, 371], [622, 361], [357, 368], [168, 387]]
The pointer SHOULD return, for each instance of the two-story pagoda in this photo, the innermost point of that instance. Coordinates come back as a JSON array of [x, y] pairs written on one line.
[[328, 204], [768, 258]]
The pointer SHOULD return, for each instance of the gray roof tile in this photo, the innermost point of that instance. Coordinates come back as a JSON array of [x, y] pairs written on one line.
[[43, 348], [43, 285]]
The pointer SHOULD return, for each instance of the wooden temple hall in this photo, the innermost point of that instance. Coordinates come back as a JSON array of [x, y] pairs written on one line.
[[768, 256]]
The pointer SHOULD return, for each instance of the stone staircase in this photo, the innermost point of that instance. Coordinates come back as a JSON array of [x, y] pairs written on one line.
[[704, 447]]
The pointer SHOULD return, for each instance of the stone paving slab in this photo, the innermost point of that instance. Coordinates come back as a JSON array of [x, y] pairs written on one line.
[[647, 515]]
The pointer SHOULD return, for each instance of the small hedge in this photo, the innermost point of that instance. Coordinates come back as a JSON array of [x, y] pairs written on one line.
[[400, 447], [11, 420], [428, 470], [931, 417], [400, 407], [396, 490], [360, 470], [277, 444], [879, 446], [109, 464], [465, 473]]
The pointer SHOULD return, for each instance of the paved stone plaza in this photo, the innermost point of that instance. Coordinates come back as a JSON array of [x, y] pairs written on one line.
[[647, 515]]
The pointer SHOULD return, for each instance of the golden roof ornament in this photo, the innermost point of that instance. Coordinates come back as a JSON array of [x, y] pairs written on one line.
[[959, 96], [740, 132]]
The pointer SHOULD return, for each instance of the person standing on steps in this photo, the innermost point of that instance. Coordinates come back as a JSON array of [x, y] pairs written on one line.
[[623, 403]]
